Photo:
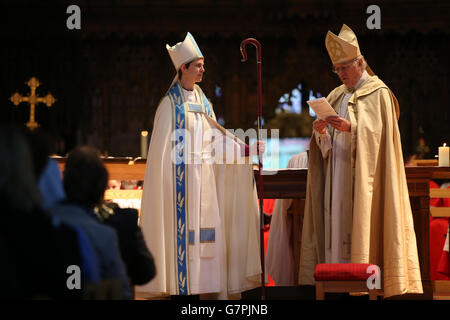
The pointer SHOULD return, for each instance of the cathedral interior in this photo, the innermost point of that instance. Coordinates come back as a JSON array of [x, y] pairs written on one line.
[[109, 75]]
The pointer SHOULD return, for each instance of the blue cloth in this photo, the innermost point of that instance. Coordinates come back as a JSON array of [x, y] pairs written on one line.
[[90, 266], [50, 185], [103, 238]]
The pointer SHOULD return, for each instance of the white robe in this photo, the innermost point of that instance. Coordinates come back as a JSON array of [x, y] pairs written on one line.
[[335, 143], [218, 197], [206, 273], [280, 257]]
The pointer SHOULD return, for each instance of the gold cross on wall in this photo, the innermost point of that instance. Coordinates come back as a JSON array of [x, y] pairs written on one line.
[[32, 99]]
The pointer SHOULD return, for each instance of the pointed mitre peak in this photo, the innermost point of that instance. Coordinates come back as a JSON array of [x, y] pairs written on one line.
[[184, 52], [342, 47]]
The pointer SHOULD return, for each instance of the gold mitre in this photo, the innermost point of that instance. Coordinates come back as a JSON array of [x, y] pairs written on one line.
[[343, 47]]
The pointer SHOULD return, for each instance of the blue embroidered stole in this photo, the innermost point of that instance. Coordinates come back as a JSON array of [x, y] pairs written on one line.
[[180, 109]]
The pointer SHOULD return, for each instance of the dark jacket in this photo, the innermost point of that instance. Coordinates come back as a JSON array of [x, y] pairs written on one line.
[[35, 257], [138, 259], [103, 238]]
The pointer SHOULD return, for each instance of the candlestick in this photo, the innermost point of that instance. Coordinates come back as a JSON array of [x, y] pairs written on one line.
[[444, 156], [144, 144]]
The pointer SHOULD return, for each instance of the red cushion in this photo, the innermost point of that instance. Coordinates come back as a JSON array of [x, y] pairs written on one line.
[[342, 271]]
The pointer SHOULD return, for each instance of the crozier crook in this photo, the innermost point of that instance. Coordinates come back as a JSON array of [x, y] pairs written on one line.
[[261, 189]]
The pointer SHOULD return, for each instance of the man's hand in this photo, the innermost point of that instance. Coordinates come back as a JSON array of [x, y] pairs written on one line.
[[320, 125], [339, 123], [253, 148]]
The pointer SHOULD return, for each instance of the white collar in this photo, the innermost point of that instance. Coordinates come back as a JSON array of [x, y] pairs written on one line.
[[363, 78]]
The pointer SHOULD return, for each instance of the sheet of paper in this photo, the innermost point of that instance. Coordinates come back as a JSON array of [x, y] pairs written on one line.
[[322, 108]]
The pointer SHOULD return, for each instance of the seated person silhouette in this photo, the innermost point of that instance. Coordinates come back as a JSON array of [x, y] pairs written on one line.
[[85, 181]]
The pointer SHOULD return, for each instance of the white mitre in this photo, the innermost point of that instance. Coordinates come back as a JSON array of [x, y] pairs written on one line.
[[183, 52]]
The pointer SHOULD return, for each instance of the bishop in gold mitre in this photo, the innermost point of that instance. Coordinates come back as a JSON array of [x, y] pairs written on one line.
[[357, 203]]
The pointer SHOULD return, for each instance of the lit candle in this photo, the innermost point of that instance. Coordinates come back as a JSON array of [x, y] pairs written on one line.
[[144, 144], [444, 156]]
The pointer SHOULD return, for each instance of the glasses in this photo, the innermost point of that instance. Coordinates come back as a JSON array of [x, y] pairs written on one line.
[[346, 66]]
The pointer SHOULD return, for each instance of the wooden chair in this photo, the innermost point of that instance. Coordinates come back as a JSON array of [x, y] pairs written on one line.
[[441, 288], [343, 277]]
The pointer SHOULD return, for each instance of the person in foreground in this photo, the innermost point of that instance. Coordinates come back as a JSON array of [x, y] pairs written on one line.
[[357, 204], [199, 214], [85, 180]]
